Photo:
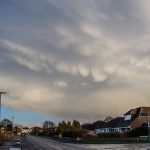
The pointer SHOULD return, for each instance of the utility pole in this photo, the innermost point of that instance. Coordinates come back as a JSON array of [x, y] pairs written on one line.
[[1, 93]]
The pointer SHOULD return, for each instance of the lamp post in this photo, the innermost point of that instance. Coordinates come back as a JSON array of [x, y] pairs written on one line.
[[1, 93]]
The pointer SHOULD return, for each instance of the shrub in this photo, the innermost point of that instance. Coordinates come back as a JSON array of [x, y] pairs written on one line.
[[70, 133], [109, 135], [140, 131]]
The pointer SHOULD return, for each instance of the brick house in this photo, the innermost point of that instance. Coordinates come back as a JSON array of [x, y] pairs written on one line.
[[132, 119]]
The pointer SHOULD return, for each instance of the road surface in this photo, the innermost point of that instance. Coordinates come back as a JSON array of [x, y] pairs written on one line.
[[37, 143]]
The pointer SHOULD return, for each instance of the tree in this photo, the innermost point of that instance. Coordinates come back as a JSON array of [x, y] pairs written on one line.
[[76, 125], [9, 127], [69, 126], [68, 129], [107, 119], [48, 125], [59, 128], [64, 126]]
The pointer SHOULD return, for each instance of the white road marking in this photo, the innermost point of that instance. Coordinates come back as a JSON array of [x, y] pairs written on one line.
[[55, 147], [68, 147]]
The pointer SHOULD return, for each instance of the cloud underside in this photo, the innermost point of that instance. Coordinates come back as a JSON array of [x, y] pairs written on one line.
[[75, 59]]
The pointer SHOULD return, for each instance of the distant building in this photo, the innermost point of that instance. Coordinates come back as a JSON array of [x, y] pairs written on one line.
[[25, 130], [2, 129], [36, 130], [132, 119], [17, 130]]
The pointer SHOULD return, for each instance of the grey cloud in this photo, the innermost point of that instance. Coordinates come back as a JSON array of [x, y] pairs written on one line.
[[74, 57]]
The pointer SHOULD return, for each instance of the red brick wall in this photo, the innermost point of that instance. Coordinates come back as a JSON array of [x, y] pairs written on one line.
[[139, 121]]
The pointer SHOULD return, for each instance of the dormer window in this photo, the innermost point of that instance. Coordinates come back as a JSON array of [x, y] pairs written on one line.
[[127, 117]]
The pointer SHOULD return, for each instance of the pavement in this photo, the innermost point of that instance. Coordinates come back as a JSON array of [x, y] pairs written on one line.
[[38, 143]]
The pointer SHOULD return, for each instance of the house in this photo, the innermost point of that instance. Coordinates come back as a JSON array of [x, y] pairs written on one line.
[[25, 130], [17, 129], [132, 119], [2, 128], [36, 130]]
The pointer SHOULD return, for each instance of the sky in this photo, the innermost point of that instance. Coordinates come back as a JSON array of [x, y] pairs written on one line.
[[73, 59]]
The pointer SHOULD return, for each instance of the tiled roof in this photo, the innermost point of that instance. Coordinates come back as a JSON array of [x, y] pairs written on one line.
[[95, 125], [118, 122], [143, 111], [115, 123]]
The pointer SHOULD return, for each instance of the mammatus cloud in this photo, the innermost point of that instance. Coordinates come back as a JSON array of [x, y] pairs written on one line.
[[75, 59], [60, 83]]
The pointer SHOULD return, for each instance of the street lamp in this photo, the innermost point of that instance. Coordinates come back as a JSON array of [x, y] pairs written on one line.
[[1, 93]]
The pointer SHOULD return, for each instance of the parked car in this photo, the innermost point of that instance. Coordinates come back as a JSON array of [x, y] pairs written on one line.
[[23, 134]]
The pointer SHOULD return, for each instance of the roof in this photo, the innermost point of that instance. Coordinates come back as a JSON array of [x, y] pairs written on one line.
[[143, 111], [94, 125], [118, 122], [26, 128], [99, 124], [121, 122], [115, 123], [130, 112]]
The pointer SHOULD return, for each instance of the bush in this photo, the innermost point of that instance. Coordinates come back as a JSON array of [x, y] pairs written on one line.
[[109, 135], [70, 133], [1, 138], [140, 131]]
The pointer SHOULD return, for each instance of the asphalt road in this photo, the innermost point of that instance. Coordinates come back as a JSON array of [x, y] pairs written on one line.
[[37, 143]]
